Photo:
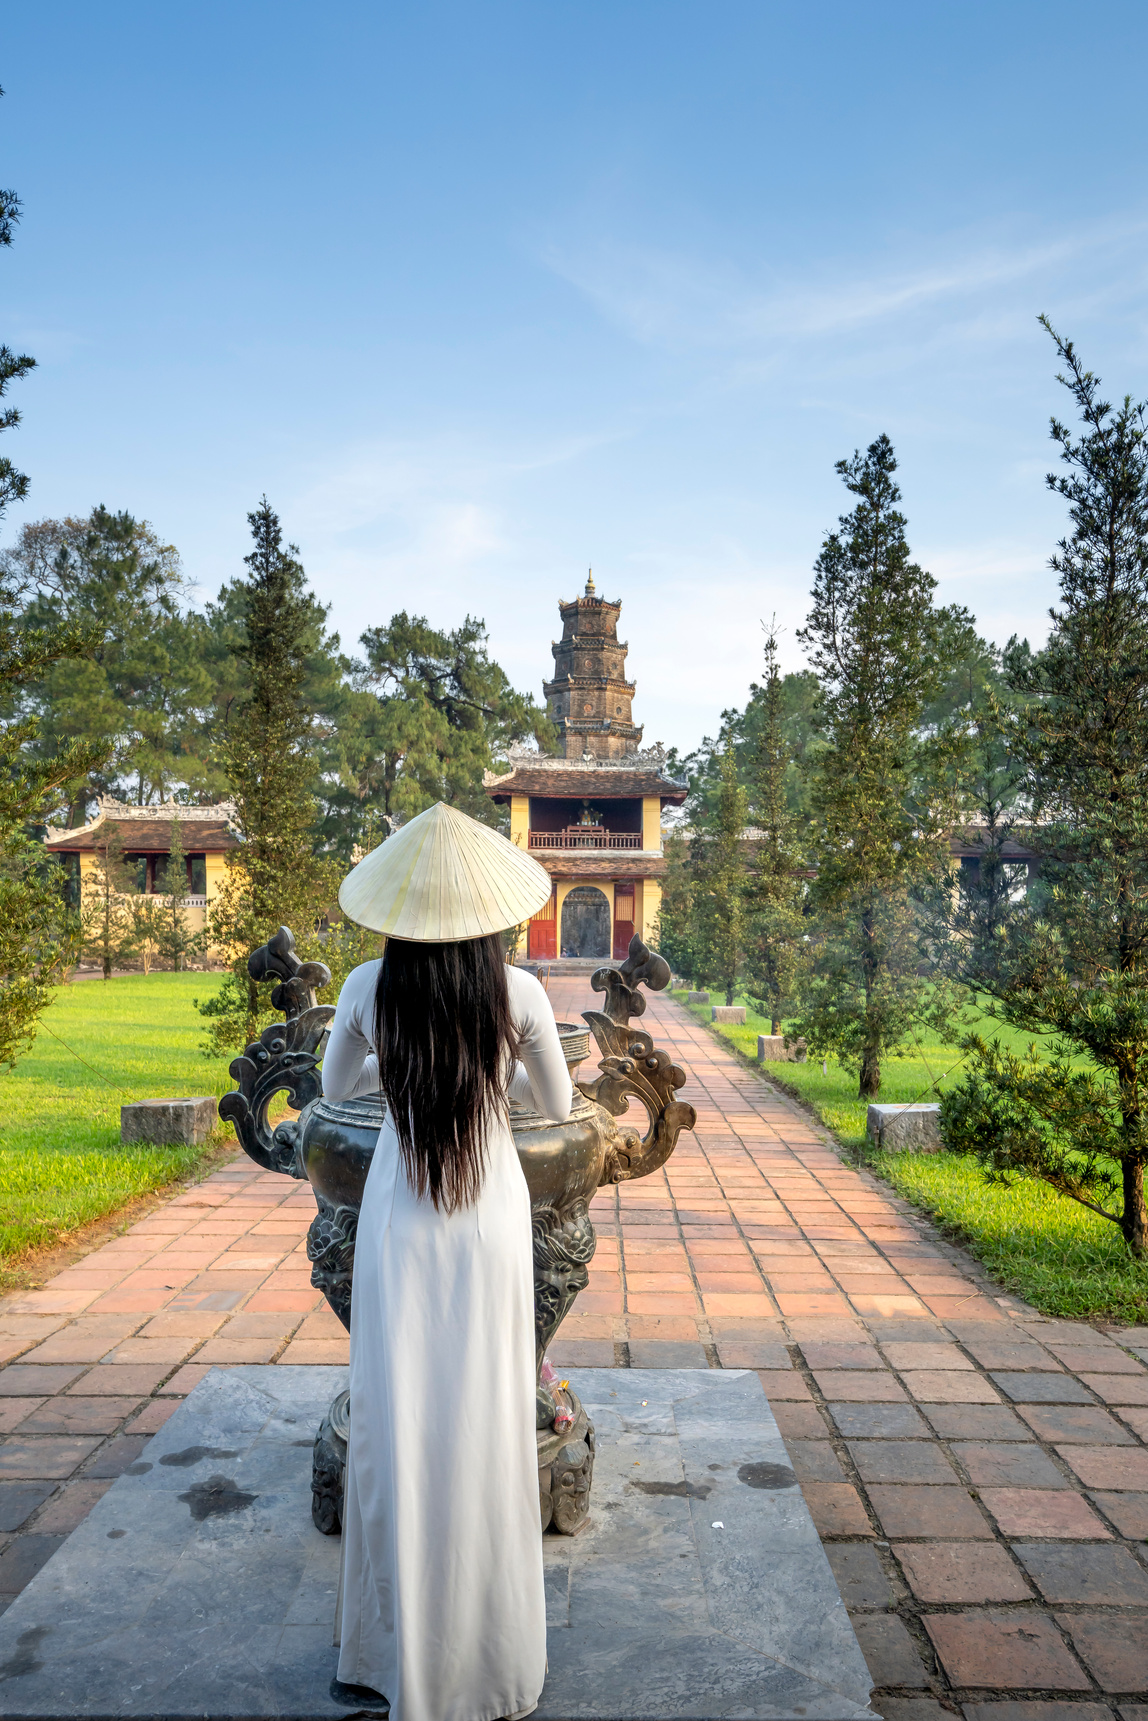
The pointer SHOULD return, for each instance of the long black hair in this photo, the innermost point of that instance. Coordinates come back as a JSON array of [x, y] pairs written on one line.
[[442, 1030]]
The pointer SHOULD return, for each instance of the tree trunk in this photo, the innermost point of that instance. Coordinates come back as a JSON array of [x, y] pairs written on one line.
[[1134, 1223], [729, 994], [774, 1026], [870, 1084]]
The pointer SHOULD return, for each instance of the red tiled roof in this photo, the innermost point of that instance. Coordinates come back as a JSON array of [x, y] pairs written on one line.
[[579, 864], [149, 836], [552, 782]]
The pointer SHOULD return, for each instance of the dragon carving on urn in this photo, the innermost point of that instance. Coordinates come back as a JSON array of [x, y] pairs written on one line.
[[330, 1144]]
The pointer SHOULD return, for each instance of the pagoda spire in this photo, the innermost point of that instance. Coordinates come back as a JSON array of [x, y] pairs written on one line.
[[589, 699]]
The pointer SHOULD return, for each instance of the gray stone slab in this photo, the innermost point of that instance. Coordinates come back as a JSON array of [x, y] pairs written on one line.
[[198, 1587], [186, 1121], [700, 1587], [774, 1049], [905, 1128]]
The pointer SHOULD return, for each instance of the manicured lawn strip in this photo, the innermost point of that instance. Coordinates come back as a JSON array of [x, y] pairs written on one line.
[[1061, 1258], [62, 1163]]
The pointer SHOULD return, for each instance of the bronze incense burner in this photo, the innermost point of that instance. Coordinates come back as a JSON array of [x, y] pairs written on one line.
[[330, 1144]]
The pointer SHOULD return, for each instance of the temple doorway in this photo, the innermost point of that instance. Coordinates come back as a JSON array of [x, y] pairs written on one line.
[[586, 922]]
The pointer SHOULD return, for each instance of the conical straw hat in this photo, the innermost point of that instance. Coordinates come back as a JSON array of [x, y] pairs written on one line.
[[444, 876]]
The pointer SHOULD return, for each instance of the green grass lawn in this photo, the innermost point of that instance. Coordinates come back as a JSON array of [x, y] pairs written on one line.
[[99, 1045], [1060, 1257]]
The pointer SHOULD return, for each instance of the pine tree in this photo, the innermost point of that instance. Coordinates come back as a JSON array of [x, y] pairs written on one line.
[[776, 894], [676, 934], [268, 754], [176, 942], [426, 714], [110, 935], [882, 794], [720, 888], [1074, 965]]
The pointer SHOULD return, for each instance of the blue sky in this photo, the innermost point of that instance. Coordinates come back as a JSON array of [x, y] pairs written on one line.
[[481, 296]]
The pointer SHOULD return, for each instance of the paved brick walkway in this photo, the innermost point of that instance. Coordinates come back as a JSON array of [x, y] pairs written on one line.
[[979, 1475]]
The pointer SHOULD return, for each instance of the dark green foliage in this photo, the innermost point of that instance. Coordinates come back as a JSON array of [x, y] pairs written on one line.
[[145, 683], [268, 753], [1075, 963], [676, 937], [882, 791], [720, 880], [1031, 1113], [428, 713], [796, 697], [776, 938]]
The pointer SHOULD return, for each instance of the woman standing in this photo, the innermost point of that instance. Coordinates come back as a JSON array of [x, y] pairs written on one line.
[[442, 1600]]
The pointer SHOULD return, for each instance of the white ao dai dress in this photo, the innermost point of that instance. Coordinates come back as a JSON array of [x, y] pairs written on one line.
[[443, 1608]]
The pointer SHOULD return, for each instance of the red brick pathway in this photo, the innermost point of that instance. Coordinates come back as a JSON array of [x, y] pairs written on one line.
[[979, 1475]]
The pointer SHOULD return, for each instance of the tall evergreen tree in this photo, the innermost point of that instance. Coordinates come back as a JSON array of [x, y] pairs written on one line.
[[776, 940], [882, 793], [1075, 965], [720, 881], [268, 753], [676, 937]]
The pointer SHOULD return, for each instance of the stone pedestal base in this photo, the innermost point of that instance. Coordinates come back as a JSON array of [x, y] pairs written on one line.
[[565, 1470]]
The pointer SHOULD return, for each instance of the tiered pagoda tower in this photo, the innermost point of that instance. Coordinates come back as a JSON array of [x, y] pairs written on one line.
[[589, 699], [593, 813]]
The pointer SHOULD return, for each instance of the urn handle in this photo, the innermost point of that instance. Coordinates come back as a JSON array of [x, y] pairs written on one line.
[[284, 1059], [634, 1068]]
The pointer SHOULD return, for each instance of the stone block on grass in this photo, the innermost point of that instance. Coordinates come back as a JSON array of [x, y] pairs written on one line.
[[698, 998], [728, 1013], [772, 1049], [187, 1122], [905, 1129]]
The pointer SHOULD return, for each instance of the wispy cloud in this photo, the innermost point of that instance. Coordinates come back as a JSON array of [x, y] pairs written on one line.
[[673, 299]]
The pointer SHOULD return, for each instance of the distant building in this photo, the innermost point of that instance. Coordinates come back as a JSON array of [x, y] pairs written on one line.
[[968, 844], [592, 815], [145, 836]]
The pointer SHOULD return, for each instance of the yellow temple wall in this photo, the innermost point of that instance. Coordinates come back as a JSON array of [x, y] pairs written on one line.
[[647, 907], [215, 867], [520, 820], [651, 822]]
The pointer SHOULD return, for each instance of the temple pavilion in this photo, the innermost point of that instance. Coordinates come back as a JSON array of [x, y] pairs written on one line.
[[144, 840], [593, 813]]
